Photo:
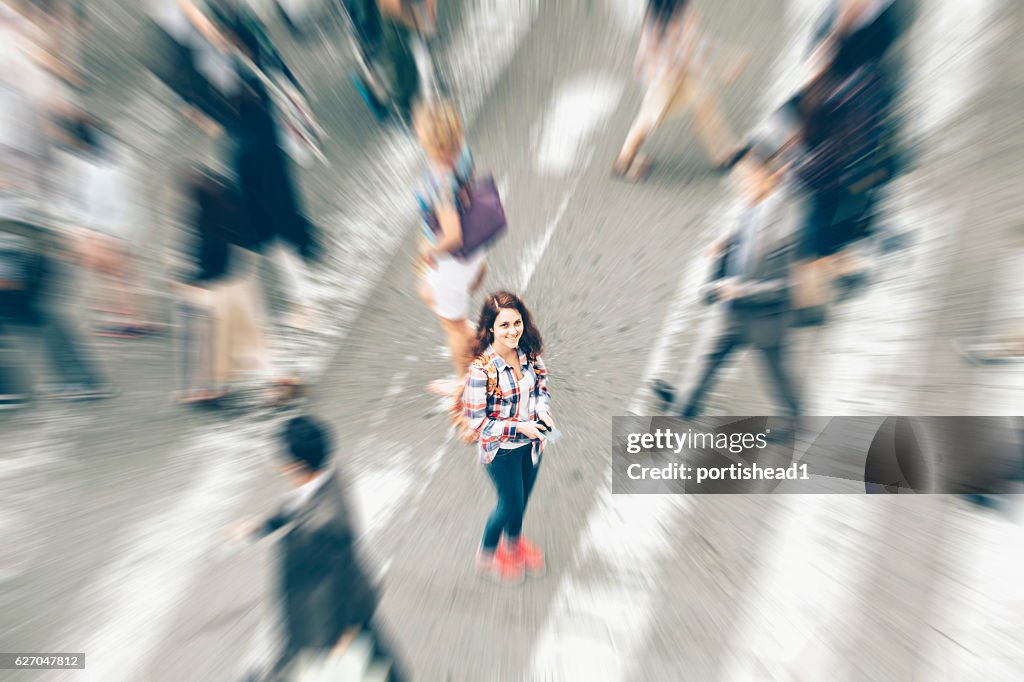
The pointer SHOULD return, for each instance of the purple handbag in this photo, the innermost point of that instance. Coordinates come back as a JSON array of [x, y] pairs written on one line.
[[481, 214]]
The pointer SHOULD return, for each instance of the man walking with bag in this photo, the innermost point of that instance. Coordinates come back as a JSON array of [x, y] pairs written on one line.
[[327, 598], [752, 279]]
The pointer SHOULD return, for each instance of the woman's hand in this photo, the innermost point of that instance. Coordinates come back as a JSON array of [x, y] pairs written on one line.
[[531, 430], [426, 257], [242, 530], [343, 643], [717, 247], [545, 416], [207, 125]]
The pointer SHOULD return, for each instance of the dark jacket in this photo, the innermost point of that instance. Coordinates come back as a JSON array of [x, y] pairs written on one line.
[[270, 200], [845, 124], [323, 586], [218, 223], [265, 175], [765, 290]]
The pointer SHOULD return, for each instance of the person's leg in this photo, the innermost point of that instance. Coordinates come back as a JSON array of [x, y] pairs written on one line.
[[222, 332], [517, 498], [250, 322], [657, 101], [529, 473], [460, 343], [517, 544], [713, 132], [116, 290], [67, 356], [778, 369], [402, 73], [366, 19], [384, 651], [481, 275], [723, 346], [505, 473], [292, 272], [10, 384]]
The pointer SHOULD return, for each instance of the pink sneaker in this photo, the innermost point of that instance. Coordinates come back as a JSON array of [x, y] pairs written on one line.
[[485, 563], [531, 556], [505, 567]]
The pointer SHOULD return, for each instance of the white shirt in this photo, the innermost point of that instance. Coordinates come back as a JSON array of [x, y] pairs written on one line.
[[301, 495]]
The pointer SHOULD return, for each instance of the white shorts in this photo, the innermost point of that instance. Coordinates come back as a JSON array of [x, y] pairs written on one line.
[[450, 281]]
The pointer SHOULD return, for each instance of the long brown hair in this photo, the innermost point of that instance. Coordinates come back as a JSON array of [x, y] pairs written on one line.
[[530, 341]]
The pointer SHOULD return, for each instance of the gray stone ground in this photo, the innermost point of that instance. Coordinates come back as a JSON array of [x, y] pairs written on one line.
[[112, 511]]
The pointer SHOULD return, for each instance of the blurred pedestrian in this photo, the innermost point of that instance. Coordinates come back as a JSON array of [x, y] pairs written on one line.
[[847, 130], [673, 61], [104, 205], [217, 223], [38, 239], [508, 407], [246, 103], [751, 277], [327, 597], [228, 339], [448, 280], [403, 23]]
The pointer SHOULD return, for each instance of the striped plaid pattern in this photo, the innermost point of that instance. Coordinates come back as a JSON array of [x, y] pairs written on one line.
[[491, 413]]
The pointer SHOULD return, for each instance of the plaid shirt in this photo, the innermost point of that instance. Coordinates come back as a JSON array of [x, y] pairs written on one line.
[[493, 415]]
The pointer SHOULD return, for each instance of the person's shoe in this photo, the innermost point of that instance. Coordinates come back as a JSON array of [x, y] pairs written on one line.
[[511, 569], [500, 566], [665, 392], [83, 392], [485, 563], [12, 401], [636, 170], [851, 284], [442, 388], [531, 556], [811, 316], [991, 352]]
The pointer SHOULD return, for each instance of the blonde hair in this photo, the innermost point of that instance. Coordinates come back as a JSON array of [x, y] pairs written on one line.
[[439, 128]]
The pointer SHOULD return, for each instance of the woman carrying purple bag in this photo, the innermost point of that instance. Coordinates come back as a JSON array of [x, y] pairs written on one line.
[[452, 259]]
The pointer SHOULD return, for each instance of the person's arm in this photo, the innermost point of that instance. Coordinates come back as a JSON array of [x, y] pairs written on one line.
[[775, 287], [711, 291], [543, 396], [273, 523], [202, 24], [447, 213], [451, 230]]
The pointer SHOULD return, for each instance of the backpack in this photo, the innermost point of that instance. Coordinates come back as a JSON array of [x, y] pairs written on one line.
[[457, 411]]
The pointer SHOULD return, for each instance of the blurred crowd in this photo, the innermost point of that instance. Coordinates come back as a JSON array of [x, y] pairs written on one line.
[[810, 182]]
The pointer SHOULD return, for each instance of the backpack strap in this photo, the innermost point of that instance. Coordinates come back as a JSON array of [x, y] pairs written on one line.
[[492, 378]]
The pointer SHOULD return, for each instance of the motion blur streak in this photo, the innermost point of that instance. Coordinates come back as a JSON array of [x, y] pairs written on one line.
[[238, 279]]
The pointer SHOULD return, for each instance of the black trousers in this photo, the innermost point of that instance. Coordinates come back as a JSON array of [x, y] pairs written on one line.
[[39, 310], [773, 355], [513, 474]]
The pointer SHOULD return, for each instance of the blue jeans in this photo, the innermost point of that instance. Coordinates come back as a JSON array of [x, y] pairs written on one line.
[[513, 474]]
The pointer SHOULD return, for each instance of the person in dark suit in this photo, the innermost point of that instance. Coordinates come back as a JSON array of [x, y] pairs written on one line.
[[751, 278], [327, 598]]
